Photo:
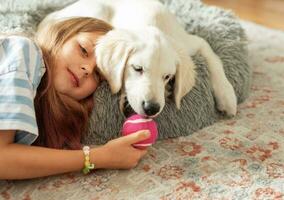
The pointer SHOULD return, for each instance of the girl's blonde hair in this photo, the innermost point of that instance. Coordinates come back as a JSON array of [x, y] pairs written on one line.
[[62, 120]]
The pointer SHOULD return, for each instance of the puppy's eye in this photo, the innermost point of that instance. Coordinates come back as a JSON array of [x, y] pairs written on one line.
[[137, 68], [83, 51], [167, 77]]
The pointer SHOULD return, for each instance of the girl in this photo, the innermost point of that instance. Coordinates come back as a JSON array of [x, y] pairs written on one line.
[[46, 91]]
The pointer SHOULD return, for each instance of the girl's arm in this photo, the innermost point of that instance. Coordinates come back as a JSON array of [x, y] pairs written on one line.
[[22, 161]]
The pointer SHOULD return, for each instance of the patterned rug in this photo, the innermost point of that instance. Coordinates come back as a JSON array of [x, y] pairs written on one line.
[[240, 158]]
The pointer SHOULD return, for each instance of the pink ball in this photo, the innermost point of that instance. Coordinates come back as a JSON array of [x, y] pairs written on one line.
[[136, 123]]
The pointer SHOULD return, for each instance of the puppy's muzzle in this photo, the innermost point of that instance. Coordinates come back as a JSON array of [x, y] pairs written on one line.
[[150, 108]]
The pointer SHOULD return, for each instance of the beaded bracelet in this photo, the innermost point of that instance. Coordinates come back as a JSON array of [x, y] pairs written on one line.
[[87, 165]]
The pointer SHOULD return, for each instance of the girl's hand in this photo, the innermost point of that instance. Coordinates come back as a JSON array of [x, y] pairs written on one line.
[[119, 153]]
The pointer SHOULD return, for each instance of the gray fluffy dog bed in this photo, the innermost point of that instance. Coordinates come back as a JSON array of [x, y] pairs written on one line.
[[226, 36], [220, 28]]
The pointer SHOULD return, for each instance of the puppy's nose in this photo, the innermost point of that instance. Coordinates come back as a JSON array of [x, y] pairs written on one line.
[[150, 108]]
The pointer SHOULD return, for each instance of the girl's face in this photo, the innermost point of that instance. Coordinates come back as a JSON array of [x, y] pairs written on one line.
[[75, 70]]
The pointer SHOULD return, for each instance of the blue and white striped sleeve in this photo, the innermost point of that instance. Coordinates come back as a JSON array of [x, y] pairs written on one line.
[[21, 69]]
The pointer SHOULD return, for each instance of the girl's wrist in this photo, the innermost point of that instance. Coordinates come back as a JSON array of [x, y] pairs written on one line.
[[96, 157]]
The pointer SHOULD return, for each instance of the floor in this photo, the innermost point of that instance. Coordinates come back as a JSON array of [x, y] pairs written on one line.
[[269, 13]]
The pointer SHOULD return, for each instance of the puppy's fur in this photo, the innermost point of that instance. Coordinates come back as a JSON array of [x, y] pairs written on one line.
[[146, 50]]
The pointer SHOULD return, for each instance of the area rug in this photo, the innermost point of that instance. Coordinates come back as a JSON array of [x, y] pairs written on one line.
[[239, 158]]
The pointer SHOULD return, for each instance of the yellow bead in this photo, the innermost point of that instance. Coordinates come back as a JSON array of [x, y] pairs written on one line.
[[87, 158]]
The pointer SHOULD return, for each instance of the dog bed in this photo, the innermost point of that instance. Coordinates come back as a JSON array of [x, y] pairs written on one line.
[[227, 38], [220, 28]]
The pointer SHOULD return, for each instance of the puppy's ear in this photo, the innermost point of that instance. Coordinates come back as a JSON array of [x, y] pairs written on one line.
[[185, 76], [112, 51]]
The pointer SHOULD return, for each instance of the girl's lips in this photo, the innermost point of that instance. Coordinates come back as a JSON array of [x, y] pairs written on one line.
[[74, 78]]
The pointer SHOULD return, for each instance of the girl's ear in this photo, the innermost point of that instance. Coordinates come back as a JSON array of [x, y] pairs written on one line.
[[112, 52]]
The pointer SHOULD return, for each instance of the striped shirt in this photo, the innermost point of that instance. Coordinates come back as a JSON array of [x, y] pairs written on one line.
[[21, 69]]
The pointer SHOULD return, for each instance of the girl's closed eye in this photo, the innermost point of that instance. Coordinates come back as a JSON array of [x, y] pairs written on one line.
[[84, 51]]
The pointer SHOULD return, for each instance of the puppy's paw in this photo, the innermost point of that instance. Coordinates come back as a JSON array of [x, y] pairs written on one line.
[[226, 98]]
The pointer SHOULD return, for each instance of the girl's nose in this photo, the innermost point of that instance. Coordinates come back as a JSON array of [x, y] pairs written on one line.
[[87, 70]]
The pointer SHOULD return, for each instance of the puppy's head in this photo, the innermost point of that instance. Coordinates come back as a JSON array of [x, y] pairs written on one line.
[[141, 63]]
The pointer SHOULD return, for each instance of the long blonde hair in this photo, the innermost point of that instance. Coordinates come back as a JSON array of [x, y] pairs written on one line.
[[62, 120]]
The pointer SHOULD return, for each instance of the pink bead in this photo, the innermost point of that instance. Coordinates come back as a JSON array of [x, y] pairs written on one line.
[[136, 123]]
